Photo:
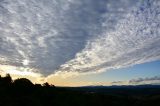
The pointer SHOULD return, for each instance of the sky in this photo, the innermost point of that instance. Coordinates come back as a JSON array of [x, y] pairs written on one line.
[[81, 42]]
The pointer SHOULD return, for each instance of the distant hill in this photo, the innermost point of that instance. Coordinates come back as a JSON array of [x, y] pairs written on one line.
[[120, 90], [124, 86]]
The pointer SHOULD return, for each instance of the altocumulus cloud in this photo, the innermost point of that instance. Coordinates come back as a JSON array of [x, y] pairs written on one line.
[[135, 40], [48, 36]]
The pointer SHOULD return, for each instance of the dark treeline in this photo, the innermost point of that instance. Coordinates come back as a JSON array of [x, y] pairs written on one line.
[[22, 92]]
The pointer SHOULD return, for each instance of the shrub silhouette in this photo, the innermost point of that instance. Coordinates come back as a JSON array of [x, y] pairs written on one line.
[[22, 92]]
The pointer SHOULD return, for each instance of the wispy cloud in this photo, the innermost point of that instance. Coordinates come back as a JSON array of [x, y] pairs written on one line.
[[138, 81], [147, 80]]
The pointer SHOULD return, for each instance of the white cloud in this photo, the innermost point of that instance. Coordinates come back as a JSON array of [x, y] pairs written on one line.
[[135, 40], [46, 35]]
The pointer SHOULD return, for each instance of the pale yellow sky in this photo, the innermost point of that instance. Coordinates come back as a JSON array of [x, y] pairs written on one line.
[[59, 79]]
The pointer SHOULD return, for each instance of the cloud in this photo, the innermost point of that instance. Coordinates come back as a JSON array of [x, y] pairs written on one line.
[[134, 40], [147, 80], [21, 72], [43, 36], [118, 82], [138, 81], [78, 36]]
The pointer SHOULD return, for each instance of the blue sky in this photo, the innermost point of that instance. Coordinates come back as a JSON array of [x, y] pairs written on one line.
[[146, 70], [150, 69]]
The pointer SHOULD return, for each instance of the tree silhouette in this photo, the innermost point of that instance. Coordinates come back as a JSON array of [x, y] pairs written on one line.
[[6, 81], [46, 84], [22, 82], [22, 86]]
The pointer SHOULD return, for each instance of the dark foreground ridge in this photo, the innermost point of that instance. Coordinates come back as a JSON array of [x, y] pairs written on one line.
[[22, 92]]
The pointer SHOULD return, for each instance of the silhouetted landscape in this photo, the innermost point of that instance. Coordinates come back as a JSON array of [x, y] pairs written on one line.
[[22, 92]]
